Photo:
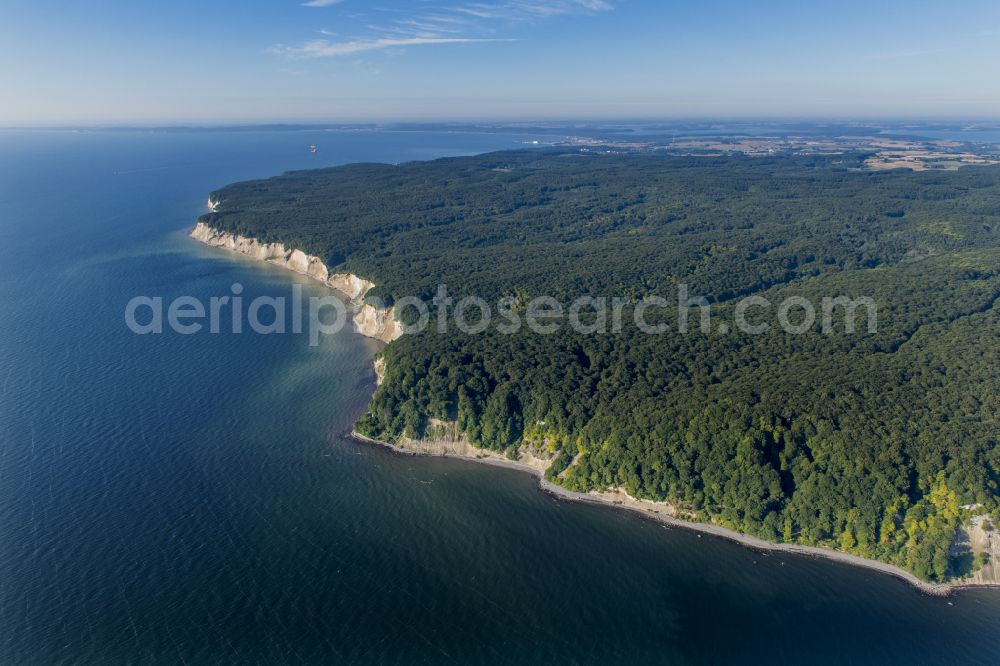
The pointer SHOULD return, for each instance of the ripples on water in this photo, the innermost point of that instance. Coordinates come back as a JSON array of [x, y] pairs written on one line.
[[190, 499]]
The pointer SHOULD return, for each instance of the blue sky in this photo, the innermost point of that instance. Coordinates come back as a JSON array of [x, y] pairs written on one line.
[[355, 60]]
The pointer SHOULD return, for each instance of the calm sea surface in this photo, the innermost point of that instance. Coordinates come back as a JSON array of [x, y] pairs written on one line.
[[191, 499]]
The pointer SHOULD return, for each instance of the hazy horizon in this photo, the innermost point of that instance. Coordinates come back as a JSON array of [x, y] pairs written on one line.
[[780, 123]]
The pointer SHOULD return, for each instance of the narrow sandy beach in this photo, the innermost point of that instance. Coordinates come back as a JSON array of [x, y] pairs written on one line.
[[653, 511]]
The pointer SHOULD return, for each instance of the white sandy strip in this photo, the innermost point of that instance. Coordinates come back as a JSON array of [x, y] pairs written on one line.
[[657, 511]]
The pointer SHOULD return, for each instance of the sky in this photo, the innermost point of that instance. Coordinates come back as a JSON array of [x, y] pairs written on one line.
[[207, 61]]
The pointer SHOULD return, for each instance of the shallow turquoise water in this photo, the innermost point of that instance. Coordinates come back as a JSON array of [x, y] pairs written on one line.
[[191, 499]]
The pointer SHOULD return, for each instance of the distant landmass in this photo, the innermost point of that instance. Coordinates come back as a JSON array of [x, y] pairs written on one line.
[[880, 444]]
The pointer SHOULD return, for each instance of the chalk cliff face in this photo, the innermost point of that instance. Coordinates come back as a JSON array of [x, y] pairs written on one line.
[[351, 285], [379, 370], [378, 323]]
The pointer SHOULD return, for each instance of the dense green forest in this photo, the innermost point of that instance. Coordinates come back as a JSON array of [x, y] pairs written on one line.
[[868, 442]]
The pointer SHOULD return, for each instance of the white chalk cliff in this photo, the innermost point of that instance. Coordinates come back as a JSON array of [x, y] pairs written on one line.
[[378, 323]]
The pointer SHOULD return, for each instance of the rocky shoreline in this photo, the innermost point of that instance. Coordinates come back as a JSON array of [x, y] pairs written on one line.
[[380, 324], [658, 511], [370, 321]]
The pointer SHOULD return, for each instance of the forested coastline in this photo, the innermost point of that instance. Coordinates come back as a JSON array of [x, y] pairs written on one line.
[[870, 443]]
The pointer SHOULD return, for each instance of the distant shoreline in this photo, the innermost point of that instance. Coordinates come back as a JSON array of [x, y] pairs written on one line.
[[746, 540]]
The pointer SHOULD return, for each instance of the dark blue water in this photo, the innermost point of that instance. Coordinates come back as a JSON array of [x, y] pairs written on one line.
[[190, 499]]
